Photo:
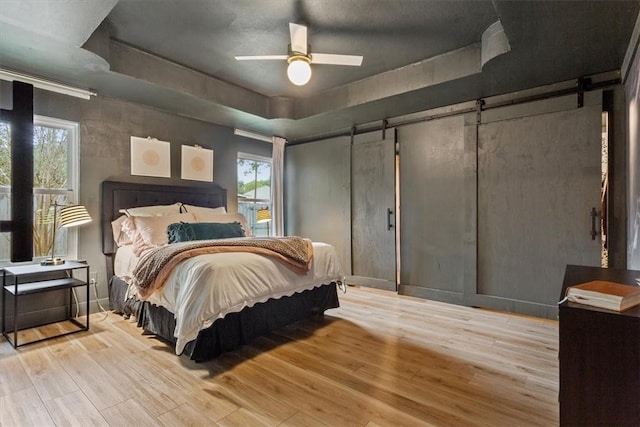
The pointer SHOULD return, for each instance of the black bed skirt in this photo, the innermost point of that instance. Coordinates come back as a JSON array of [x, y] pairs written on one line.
[[235, 329]]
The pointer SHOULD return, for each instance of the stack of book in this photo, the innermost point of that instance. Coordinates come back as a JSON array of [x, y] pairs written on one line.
[[602, 294]]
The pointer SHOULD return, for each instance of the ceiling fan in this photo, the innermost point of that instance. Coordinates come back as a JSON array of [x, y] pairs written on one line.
[[300, 59]]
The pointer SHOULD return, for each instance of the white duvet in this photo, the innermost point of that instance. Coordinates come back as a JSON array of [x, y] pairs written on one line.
[[207, 287]]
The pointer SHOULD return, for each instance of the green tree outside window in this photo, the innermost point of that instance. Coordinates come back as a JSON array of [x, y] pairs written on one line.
[[50, 165]]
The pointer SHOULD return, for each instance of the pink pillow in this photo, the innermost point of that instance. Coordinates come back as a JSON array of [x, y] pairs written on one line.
[[119, 235], [151, 231]]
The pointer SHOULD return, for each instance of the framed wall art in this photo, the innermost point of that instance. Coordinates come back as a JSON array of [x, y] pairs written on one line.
[[150, 157], [197, 163]]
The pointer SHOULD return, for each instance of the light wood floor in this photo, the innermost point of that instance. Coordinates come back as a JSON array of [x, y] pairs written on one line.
[[378, 360]]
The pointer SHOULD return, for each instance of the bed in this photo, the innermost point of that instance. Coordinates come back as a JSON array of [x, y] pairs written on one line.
[[225, 324]]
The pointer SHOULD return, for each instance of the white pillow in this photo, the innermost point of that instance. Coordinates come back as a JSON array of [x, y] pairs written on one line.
[[203, 210], [152, 210], [204, 216], [151, 231]]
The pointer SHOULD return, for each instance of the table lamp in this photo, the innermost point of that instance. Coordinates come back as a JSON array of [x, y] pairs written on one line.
[[263, 215], [70, 216]]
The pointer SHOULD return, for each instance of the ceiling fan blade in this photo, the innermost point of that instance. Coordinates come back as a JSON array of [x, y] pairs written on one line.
[[329, 58], [261, 57], [298, 38]]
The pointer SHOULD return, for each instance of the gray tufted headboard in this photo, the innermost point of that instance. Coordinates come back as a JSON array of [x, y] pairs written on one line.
[[122, 195]]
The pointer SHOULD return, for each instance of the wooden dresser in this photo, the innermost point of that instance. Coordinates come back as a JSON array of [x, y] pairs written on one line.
[[599, 356]]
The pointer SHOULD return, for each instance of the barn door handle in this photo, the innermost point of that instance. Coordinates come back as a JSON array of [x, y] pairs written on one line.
[[594, 215], [389, 213]]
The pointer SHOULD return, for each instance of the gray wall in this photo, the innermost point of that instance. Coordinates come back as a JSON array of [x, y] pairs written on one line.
[[106, 126], [317, 194]]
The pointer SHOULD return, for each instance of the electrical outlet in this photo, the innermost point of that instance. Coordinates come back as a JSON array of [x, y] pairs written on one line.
[[93, 278]]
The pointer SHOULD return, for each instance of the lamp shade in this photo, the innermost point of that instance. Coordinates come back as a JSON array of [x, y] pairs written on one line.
[[299, 71], [74, 215], [263, 215], [70, 216]]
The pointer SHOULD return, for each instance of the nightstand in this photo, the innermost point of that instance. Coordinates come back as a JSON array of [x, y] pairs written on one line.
[[599, 356], [19, 281]]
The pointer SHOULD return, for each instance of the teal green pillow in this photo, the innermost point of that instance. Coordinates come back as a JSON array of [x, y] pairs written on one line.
[[186, 232]]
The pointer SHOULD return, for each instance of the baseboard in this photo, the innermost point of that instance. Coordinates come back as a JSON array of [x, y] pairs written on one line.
[[370, 282], [528, 308], [431, 294], [482, 301]]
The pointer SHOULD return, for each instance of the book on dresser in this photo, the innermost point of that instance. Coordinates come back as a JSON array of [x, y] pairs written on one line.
[[603, 294]]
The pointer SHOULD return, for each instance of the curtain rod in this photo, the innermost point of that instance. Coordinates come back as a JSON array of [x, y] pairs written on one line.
[[51, 86], [248, 134]]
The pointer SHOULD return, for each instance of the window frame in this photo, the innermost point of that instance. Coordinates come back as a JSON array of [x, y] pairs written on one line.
[[73, 178], [255, 202], [255, 158]]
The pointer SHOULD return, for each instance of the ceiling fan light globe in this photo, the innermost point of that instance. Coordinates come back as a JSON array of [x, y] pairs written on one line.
[[299, 72]]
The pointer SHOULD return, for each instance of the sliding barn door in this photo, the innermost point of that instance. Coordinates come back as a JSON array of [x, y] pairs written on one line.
[[538, 179], [373, 213], [432, 209]]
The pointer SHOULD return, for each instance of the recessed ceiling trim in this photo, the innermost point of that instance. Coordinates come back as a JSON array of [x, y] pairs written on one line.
[[252, 135], [133, 62], [443, 68], [494, 42]]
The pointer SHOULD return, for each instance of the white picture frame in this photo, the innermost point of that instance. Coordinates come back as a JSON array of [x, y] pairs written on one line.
[[197, 163], [150, 157]]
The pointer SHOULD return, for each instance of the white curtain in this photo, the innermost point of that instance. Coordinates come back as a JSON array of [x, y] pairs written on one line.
[[277, 179]]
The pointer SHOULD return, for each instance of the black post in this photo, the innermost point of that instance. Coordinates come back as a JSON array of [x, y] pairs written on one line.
[[22, 173]]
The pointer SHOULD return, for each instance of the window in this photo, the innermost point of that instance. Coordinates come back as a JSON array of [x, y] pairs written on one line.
[[254, 192], [55, 169]]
